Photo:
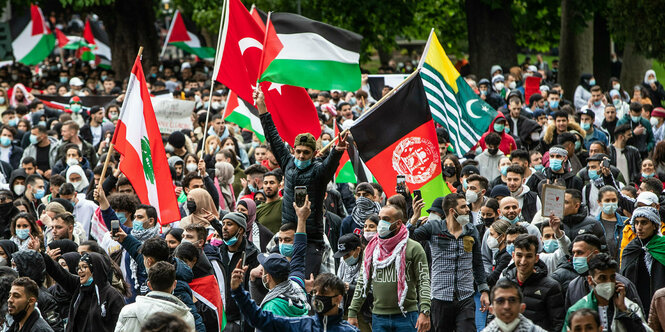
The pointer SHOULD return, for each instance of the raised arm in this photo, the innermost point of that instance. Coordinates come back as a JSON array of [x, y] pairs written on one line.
[[300, 244]]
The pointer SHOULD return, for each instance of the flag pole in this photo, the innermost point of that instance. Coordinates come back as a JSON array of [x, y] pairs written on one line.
[[218, 54], [111, 145], [429, 41], [265, 40], [168, 34]]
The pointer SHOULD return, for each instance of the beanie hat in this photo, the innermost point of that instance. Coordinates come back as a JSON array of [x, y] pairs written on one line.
[[495, 68], [177, 139], [498, 78], [237, 218], [646, 212]]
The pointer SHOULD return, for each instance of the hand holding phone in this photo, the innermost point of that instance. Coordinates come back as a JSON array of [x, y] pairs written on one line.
[[300, 195], [417, 195], [115, 226]]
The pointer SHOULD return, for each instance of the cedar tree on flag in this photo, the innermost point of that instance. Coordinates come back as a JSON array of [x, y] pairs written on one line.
[[237, 67], [32, 41], [453, 103], [139, 142], [185, 40], [397, 137], [310, 54], [243, 114]]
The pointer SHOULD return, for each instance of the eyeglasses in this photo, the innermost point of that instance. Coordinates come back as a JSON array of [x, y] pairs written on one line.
[[502, 300]]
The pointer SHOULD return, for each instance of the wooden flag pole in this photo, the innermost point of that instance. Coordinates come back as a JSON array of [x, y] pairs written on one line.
[[334, 140]]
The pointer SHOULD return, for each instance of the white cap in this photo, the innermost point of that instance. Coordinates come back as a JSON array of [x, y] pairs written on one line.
[[335, 90], [185, 65], [647, 198], [75, 81], [532, 68]]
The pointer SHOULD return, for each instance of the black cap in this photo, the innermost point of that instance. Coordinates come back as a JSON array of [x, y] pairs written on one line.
[[177, 139], [470, 169], [598, 157], [500, 190], [275, 264], [346, 244], [437, 206]]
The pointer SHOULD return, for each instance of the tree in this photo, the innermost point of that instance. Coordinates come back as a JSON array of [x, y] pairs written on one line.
[[576, 48], [491, 35]]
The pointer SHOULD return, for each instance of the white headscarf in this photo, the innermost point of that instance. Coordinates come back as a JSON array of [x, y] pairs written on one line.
[[83, 184], [26, 96], [649, 72]]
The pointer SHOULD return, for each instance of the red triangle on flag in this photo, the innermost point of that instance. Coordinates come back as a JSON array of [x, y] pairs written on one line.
[[271, 46], [179, 32], [87, 33], [61, 38], [38, 23]]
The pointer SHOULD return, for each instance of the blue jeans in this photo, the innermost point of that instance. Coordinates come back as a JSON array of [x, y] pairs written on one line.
[[481, 317], [395, 323]]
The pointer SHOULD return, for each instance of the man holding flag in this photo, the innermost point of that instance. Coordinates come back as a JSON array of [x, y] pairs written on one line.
[[302, 169]]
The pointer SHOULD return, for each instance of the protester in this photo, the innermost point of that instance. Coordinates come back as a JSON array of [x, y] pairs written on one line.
[[508, 306]]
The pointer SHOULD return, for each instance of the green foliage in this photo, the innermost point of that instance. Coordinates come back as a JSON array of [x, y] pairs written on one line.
[[537, 24], [83, 4], [640, 21]]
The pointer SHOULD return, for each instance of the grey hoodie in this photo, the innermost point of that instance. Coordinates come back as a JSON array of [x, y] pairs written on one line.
[[134, 315], [488, 165]]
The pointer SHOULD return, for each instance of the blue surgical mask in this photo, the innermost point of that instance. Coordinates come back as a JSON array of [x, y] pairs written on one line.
[[5, 141], [351, 261], [42, 123], [538, 168], [593, 174], [121, 217], [580, 264], [556, 164], [504, 170], [64, 79], [302, 164], [2, 100], [586, 125], [510, 248], [610, 208], [499, 128], [383, 229], [635, 118], [75, 108], [512, 221], [550, 246], [40, 193], [13, 122], [23, 233], [464, 184], [231, 241], [596, 103], [33, 139], [554, 104], [286, 249], [88, 282], [578, 145], [592, 82], [255, 144], [137, 225], [325, 142], [645, 175], [252, 188]]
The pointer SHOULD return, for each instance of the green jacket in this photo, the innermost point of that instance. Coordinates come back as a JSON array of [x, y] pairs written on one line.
[[621, 322], [384, 285]]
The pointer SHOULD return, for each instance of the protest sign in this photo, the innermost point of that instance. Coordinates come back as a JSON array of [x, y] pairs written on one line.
[[553, 197], [173, 114]]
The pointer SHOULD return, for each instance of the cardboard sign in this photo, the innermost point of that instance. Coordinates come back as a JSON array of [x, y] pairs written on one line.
[[173, 114], [553, 197]]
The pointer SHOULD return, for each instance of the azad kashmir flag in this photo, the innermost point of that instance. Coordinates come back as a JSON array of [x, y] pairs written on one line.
[[351, 169], [243, 114], [185, 40], [311, 54], [98, 50], [397, 137], [237, 66], [139, 142], [453, 103], [32, 41]]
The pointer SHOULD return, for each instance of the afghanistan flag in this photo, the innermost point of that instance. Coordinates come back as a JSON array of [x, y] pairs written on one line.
[[243, 114], [32, 41], [351, 168], [311, 54], [453, 103], [397, 137], [138, 140], [99, 50], [185, 40]]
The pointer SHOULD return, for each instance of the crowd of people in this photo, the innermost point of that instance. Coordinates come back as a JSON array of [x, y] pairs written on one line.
[[252, 252]]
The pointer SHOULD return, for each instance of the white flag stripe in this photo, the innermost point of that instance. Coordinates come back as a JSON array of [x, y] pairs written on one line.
[[312, 46]]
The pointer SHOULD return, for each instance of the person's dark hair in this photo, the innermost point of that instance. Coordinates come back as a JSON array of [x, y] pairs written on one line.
[[163, 322], [236, 148], [71, 146], [602, 262], [175, 232], [227, 153], [517, 169], [123, 181], [482, 181], [635, 107], [455, 160], [256, 169], [398, 202], [520, 155], [277, 175], [289, 226], [201, 232], [526, 241], [29, 161], [67, 217], [493, 139], [34, 229], [583, 312], [125, 202], [161, 276], [553, 92], [450, 201], [516, 229], [493, 204], [364, 186], [374, 218], [67, 189], [189, 177], [631, 189], [606, 189], [602, 145], [560, 114], [589, 239], [57, 180], [32, 179], [575, 194], [328, 282], [596, 88], [12, 130], [29, 286], [653, 185], [156, 248], [648, 108], [565, 137], [377, 186], [187, 251], [506, 284], [150, 211], [622, 129]]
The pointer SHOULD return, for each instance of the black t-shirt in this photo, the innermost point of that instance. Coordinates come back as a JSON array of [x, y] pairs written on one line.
[[43, 158]]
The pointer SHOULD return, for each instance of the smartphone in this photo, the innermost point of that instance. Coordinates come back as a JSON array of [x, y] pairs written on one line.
[[115, 226], [243, 259], [401, 179], [301, 192], [606, 163], [401, 184], [417, 195]]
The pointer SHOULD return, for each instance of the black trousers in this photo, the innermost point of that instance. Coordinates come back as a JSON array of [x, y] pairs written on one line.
[[456, 315]]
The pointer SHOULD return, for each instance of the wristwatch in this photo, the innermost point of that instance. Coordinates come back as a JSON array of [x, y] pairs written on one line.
[[425, 312]]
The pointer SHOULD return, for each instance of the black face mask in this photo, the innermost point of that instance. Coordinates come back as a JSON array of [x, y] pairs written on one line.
[[5, 209], [487, 221], [21, 314], [322, 304], [492, 151], [191, 207], [449, 171]]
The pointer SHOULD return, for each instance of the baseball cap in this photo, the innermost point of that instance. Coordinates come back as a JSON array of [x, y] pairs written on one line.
[[437, 206], [76, 82], [470, 169], [274, 264], [647, 198], [346, 244]]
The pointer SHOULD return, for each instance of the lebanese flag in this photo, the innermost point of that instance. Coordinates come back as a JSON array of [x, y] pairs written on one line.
[[138, 140], [238, 68], [393, 141], [203, 289]]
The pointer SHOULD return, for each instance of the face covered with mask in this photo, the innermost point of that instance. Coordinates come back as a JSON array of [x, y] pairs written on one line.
[[390, 223], [461, 212], [19, 303], [325, 301], [603, 282]]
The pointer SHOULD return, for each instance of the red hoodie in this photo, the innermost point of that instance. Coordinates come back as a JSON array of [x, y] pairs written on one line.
[[507, 142]]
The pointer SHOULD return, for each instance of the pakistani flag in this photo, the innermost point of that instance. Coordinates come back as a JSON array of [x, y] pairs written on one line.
[[310, 54], [244, 115], [185, 40], [32, 41], [453, 103]]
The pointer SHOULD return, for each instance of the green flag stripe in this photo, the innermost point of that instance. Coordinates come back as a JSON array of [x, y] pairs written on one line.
[[243, 122], [464, 140], [40, 51], [201, 52], [346, 174], [314, 74]]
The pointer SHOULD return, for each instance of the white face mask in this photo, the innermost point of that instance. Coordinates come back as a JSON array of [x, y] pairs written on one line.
[[651, 81], [653, 121], [471, 196], [383, 229], [535, 136], [492, 242], [499, 86], [191, 167], [72, 161], [19, 189], [462, 219], [616, 86], [605, 290], [77, 185], [512, 85], [507, 327]]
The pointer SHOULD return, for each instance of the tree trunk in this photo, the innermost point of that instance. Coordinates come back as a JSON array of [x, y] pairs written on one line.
[[491, 36], [633, 68], [576, 49], [130, 24], [602, 63]]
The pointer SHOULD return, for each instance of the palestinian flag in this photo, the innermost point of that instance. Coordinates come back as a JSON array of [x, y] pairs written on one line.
[[138, 140], [310, 54], [393, 141], [206, 289], [351, 168], [99, 50], [32, 41], [185, 40], [243, 114], [453, 103]]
